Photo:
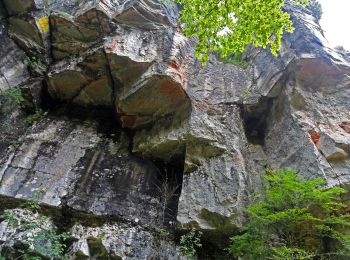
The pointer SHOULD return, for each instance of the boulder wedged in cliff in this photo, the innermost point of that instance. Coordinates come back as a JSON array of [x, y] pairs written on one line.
[[85, 81], [75, 35], [157, 94]]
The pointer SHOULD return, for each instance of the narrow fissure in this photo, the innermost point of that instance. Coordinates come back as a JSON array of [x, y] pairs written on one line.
[[170, 186]]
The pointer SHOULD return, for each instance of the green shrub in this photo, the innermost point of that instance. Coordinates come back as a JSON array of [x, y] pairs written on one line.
[[33, 204], [14, 94], [41, 239], [296, 219], [37, 116], [161, 233], [190, 242]]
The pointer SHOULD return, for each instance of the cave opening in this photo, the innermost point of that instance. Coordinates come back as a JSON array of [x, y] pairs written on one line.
[[169, 187], [255, 120]]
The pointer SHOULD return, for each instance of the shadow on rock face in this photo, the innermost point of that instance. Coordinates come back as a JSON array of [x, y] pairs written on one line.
[[83, 162]]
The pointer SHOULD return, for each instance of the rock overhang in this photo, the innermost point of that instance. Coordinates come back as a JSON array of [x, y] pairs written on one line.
[[146, 72]]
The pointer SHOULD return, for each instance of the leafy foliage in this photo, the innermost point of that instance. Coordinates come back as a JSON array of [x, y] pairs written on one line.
[[296, 219], [33, 204], [162, 233], [37, 116], [41, 240], [14, 94], [228, 26], [190, 242]]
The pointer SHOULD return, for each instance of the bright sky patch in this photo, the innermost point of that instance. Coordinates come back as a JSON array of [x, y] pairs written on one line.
[[336, 22]]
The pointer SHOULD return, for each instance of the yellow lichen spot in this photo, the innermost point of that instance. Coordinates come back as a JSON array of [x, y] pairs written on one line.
[[43, 24]]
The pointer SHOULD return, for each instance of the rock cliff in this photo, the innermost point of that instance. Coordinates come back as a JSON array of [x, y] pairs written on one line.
[[123, 132]]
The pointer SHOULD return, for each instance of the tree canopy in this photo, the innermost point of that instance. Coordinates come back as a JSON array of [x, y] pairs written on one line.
[[228, 26]]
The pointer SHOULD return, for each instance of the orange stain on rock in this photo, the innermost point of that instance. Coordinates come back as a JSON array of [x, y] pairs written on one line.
[[172, 89], [345, 126], [128, 121], [174, 65], [112, 45], [314, 136], [312, 68]]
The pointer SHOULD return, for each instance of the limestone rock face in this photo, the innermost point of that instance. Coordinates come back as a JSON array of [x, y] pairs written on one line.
[[72, 165], [120, 242], [13, 67], [109, 241], [128, 125]]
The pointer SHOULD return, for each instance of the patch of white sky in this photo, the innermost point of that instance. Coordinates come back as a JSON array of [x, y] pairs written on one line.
[[335, 22]]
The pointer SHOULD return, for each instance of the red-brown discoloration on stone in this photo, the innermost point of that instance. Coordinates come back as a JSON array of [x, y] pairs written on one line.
[[206, 106], [315, 137], [317, 74], [345, 126], [172, 90], [160, 96], [58, 21], [174, 65], [128, 121], [112, 45], [313, 67]]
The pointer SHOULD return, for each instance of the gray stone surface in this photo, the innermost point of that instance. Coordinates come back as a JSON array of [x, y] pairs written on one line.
[[13, 233], [108, 241], [121, 241], [219, 125], [74, 166], [13, 67]]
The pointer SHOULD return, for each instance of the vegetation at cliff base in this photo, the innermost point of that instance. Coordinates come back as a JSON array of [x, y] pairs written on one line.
[[229, 26], [190, 243], [14, 95], [32, 236], [295, 219]]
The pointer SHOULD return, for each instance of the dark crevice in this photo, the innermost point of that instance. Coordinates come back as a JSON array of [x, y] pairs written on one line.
[[255, 119], [3, 11], [116, 85], [47, 101], [169, 187]]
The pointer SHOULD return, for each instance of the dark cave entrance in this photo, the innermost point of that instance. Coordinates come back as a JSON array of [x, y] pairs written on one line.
[[169, 187], [255, 118]]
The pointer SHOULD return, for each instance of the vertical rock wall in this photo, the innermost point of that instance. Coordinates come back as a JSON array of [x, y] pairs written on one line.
[[138, 133]]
